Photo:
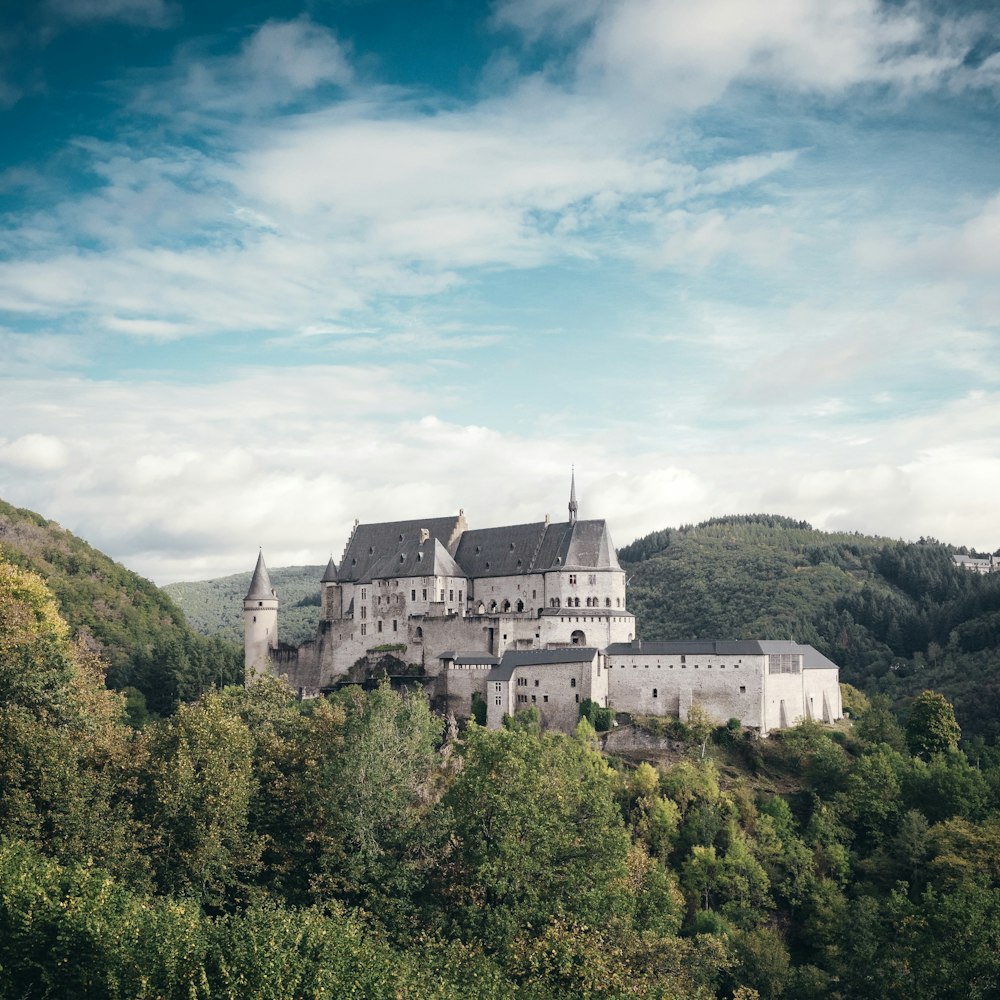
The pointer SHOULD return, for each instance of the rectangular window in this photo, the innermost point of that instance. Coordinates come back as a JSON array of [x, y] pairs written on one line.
[[545, 697], [534, 698], [578, 699], [592, 578], [364, 629], [498, 701], [424, 594], [394, 625], [743, 689], [572, 682], [364, 593], [533, 595], [572, 579], [654, 692], [442, 597], [460, 597], [413, 595], [379, 627], [536, 683], [364, 611], [451, 596]]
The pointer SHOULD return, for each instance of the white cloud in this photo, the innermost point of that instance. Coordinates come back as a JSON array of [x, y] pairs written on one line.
[[36, 452]]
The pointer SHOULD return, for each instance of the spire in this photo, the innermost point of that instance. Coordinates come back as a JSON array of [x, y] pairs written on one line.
[[573, 506], [330, 574], [260, 584]]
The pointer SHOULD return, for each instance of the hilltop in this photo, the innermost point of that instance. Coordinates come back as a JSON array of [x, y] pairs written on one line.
[[135, 627], [896, 616]]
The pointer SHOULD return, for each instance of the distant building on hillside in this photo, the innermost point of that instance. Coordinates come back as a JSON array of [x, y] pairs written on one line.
[[977, 564], [525, 615]]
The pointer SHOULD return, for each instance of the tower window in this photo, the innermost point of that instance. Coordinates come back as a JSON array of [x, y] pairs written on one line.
[[654, 692]]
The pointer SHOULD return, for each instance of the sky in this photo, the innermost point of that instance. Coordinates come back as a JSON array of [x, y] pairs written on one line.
[[268, 268]]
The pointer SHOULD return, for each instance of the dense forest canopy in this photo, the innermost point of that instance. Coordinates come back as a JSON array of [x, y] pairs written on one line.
[[248, 845]]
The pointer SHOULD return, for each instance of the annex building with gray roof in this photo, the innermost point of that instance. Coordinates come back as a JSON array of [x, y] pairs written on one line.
[[518, 615]]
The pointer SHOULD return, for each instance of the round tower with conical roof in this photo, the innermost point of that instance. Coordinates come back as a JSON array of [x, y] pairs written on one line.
[[260, 623], [330, 592]]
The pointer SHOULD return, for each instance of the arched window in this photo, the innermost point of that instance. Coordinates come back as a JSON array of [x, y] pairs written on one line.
[[493, 607], [607, 602], [520, 605], [505, 607], [577, 638], [419, 632], [480, 608]]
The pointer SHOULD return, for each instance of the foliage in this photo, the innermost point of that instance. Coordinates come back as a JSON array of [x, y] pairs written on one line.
[[133, 625], [931, 727]]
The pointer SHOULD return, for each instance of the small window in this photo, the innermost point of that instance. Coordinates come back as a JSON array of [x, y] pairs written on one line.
[[413, 595], [534, 698], [572, 682], [743, 689], [423, 594], [460, 597], [578, 699], [364, 629], [394, 628], [545, 697], [536, 682], [380, 625], [654, 692], [498, 700], [572, 579], [451, 595]]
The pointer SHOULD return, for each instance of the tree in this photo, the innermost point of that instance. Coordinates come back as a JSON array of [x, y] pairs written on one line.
[[931, 727], [538, 836]]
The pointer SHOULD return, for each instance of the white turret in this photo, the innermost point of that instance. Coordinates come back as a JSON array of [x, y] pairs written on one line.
[[260, 623]]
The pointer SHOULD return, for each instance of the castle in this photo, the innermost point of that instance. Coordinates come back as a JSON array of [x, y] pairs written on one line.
[[522, 615]]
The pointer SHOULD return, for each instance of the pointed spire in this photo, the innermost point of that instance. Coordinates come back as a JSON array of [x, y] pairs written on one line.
[[330, 573], [260, 584], [573, 506]]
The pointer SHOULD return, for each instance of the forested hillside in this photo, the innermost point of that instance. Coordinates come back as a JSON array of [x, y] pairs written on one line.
[[215, 607], [129, 621], [896, 616], [251, 847]]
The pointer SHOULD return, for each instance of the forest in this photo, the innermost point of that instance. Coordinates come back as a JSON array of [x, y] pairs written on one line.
[[248, 845], [165, 832]]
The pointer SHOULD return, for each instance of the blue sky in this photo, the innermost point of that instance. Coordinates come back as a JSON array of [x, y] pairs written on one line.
[[266, 268]]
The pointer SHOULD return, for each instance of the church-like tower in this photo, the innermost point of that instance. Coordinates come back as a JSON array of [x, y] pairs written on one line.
[[574, 507], [260, 623]]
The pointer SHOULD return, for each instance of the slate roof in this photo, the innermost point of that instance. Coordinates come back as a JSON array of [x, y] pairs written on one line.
[[260, 582], [517, 549], [515, 658], [466, 658], [330, 573], [374, 550], [812, 659]]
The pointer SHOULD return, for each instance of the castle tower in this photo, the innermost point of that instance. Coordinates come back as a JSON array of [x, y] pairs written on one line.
[[260, 623], [330, 592], [573, 506]]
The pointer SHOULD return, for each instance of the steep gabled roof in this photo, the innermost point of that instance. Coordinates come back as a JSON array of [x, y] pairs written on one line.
[[374, 550], [260, 582], [539, 547]]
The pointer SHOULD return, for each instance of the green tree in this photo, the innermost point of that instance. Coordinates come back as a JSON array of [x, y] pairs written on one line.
[[538, 836], [931, 727]]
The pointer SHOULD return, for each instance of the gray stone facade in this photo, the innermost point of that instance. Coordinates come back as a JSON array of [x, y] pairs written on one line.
[[521, 615]]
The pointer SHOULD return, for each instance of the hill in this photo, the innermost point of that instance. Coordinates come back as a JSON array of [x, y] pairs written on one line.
[[897, 616], [137, 629], [215, 607]]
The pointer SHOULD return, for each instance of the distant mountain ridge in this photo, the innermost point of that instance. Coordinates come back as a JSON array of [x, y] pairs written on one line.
[[215, 607]]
